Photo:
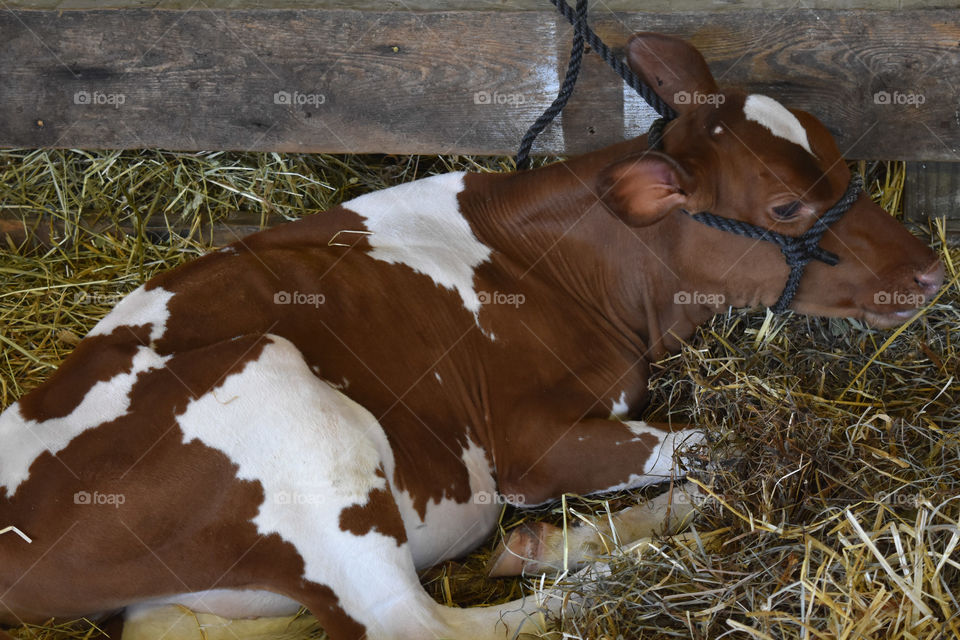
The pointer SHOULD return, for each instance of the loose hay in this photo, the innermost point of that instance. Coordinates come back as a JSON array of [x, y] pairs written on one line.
[[835, 514]]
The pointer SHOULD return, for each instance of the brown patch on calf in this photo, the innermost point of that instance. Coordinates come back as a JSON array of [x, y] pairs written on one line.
[[334, 620], [96, 359], [232, 293], [378, 513], [186, 522]]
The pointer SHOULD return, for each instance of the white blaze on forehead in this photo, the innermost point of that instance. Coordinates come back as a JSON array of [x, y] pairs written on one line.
[[139, 307], [777, 118], [25, 440], [419, 224]]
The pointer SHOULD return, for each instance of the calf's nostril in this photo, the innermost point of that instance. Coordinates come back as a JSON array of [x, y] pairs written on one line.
[[931, 278]]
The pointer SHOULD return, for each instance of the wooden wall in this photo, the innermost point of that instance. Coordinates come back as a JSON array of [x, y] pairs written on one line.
[[469, 78]]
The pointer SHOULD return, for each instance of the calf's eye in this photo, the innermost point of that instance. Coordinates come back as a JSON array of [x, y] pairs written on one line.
[[788, 210]]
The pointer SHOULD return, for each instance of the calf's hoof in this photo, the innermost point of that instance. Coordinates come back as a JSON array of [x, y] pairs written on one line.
[[523, 550]]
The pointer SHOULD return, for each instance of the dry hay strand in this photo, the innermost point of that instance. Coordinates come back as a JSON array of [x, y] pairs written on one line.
[[834, 515]]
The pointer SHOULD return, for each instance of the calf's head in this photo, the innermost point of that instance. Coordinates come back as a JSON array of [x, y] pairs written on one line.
[[748, 158]]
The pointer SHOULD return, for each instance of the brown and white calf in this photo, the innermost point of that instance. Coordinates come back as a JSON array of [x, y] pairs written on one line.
[[313, 414]]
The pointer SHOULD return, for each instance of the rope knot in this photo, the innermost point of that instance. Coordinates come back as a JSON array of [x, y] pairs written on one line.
[[796, 254]]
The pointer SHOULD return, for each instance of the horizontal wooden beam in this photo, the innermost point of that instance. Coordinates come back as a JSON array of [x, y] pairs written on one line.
[[655, 6], [461, 81]]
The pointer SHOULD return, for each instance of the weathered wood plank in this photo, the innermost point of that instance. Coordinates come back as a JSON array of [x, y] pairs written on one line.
[[471, 5], [932, 190], [413, 82]]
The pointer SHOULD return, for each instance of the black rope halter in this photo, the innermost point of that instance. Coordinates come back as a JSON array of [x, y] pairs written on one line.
[[798, 251]]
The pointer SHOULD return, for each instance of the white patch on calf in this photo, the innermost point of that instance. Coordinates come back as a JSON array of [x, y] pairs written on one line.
[[419, 224], [315, 452], [25, 440], [291, 432], [175, 622], [227, 603], [777, 118], [659, 467], [139, 307], [450, 529], [620, 407]]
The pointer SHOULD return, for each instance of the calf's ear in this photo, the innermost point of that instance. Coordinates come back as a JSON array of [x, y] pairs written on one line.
[[643, 189], [672, 67]]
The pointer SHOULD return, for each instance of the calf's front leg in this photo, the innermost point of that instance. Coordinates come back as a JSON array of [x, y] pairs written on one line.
[[538, 547], [595, 457]]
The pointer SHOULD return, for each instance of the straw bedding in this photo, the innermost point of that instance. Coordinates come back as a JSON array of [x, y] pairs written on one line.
[[835, 511]]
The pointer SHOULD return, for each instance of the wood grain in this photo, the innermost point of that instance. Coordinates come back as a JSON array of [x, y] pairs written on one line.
[[465, 81], [932, 190]]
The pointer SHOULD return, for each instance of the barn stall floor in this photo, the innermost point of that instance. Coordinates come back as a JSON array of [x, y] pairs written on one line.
[[838, 515]]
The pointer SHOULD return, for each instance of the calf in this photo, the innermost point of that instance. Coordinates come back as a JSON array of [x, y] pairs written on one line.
[[315, 413]]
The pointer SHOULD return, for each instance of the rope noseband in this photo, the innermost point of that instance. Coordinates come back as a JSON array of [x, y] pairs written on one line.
[[798, 251]]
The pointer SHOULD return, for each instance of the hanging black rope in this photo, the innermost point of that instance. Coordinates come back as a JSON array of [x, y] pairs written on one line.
[[566, 89], [583, 33], [618, 65]]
